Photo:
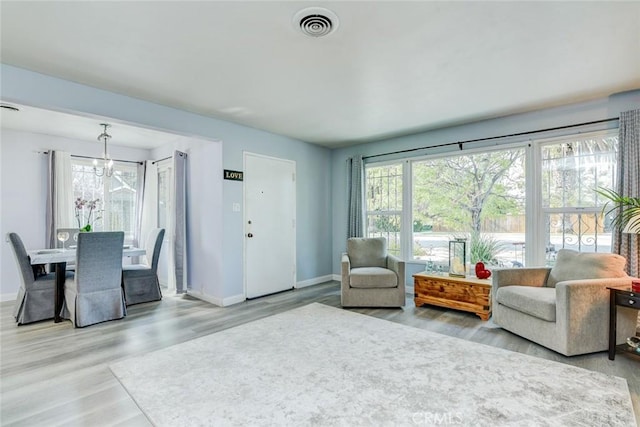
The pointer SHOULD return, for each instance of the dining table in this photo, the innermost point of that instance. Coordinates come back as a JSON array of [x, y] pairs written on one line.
[[59, 258]]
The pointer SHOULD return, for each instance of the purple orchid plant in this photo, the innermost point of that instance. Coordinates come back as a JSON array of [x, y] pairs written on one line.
[[81, 205]]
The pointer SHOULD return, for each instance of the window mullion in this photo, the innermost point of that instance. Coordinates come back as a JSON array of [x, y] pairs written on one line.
[[406, 228], [534, 221]]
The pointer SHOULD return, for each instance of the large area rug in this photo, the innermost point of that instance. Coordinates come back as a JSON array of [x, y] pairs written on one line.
[[318, 365]]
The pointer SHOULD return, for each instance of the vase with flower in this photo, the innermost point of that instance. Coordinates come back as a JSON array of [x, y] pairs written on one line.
[[89, 207]]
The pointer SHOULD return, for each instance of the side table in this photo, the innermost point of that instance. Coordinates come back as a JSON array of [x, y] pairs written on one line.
[[624, 297]]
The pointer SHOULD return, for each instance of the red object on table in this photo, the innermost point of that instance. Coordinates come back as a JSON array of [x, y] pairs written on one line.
[[481, 272], [635, 285]]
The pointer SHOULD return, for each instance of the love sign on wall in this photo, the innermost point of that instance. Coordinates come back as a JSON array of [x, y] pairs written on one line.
[[233, 175]]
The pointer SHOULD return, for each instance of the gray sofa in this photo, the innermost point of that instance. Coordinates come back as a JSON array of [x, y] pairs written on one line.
[[370, 276], [564, 308]]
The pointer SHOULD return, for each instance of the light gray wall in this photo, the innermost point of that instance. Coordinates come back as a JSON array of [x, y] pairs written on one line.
[[313, 163], [554, 117]]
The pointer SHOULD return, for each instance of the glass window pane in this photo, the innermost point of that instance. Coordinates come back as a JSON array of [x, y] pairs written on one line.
[[384, 188], [114, 197], [384, 204], [122, 201], [583, 232], [88, 187], [164, 200], [572, 169], [477, 196]]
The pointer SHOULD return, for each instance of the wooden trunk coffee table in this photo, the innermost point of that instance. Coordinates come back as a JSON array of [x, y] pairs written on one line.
[[460, 293]]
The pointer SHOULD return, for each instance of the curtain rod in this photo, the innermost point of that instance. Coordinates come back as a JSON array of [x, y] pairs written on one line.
[[115, 160], [459, 143], [161, 160]]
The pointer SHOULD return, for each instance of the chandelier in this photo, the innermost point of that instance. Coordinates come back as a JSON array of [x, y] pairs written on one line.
[[107, 163]]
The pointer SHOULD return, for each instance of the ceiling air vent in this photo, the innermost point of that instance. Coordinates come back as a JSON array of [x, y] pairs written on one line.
[[315, 21]]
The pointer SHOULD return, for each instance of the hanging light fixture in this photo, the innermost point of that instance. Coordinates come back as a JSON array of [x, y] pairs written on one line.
[[107, 163]]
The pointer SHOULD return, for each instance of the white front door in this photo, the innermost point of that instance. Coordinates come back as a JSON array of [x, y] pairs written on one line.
[[269, 225]]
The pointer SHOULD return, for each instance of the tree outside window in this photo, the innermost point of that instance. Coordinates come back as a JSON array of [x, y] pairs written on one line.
[[477, 196], [483, 197]]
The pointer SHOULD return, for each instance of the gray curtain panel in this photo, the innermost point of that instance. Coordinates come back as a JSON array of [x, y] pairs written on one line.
[[51, 225], [180, 215], [355, 181], [628, 245]]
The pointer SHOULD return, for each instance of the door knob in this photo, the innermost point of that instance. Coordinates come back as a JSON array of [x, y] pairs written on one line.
[[250, 235]]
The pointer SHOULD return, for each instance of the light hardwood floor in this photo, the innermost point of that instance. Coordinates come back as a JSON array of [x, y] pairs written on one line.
[[52, 374]]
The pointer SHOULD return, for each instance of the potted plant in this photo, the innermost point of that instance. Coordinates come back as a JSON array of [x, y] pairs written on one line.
[[628, 209], [80, 206]]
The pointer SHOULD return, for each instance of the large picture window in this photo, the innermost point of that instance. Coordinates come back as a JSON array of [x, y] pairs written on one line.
[[116, 209], [515, 206], [479, 197]]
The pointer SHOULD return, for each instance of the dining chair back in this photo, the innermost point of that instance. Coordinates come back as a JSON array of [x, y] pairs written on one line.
[[35, 299], [153, 246], [95, 295], [140, 281]]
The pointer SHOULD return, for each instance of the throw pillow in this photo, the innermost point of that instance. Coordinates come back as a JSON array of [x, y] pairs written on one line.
[[572, 265]]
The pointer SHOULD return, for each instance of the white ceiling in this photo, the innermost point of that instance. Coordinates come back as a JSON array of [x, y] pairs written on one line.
[[83, 128], [391, 68]]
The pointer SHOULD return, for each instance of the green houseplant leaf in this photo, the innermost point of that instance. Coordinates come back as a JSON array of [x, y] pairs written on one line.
[[625, 209]]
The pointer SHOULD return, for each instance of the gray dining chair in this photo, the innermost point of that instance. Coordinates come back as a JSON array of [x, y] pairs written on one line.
[[94, 294], [140, 281], [36, 295]]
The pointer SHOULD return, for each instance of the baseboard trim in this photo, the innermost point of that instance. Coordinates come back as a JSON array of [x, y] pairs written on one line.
[[236, 299], [8, 297], [314, 281], [206, 298], [337, 277], [220, 302]]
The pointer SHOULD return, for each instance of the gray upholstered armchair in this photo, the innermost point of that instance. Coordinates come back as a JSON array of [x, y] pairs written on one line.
[[370, 276], [564, 308]]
